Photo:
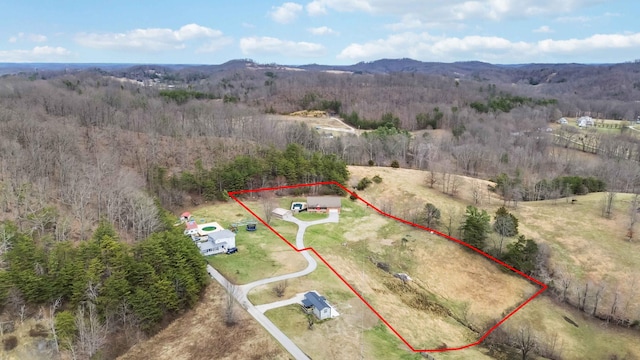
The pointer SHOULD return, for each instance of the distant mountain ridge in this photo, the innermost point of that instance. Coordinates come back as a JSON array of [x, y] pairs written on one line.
[[381, 66], [619, 81]]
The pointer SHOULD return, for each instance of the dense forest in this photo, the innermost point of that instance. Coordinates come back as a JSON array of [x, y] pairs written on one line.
[[91, 159]]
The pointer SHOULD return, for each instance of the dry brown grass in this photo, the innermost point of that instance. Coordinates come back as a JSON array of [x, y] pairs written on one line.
[[582, 243], [202, 334]]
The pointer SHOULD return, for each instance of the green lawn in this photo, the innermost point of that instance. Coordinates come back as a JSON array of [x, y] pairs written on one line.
[[290, 319], [260, 254], [385, 345], [322, 280]]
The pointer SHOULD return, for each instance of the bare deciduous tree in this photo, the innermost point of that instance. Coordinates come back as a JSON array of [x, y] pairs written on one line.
[[607, 204], [280, 288], [476, 192], [597, 296], [451, 220], [230, 312], [268, 204], [92, 333], [634, 208], [52, 322], [525, 341], [583, 293]]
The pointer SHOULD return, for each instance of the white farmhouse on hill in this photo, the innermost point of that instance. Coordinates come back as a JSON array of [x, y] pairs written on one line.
[[585, 121]]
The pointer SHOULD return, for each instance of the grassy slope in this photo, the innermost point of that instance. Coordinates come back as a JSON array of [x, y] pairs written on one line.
[[361, 234], [201, 334], [581, 240], [401, 186]]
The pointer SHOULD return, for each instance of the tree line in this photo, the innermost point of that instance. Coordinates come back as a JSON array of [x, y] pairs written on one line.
[[102, 284], [268, 167]]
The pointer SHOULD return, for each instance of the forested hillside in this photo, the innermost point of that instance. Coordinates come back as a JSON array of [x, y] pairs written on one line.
[[119, 147]]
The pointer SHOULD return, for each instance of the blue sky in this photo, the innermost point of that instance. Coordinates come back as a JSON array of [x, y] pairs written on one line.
[[319, 31]]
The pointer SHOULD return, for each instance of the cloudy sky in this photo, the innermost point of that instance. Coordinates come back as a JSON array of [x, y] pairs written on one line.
[[319, 31]]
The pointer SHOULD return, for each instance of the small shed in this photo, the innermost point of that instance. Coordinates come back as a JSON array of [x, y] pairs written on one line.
[[562, 121], [317, 304], [191, 228], [280, 213], [323, 203]]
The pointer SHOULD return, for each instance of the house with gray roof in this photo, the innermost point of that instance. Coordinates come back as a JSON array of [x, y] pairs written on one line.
[[217, 242], [318, 305], [323, 203]]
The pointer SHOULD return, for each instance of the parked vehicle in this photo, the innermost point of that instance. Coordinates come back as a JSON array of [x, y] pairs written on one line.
[[232, 250]]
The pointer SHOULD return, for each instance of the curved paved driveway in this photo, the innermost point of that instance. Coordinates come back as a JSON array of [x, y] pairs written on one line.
[[240, 291]]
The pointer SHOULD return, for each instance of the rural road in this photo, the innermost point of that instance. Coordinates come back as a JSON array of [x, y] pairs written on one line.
[[240, 291]]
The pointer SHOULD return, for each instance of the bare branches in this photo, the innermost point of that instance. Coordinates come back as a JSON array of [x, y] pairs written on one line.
[[525, 341], [280, 288], [229, 310], [92, 333]]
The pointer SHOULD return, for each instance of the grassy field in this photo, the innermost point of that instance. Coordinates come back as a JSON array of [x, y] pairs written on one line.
[[201, 334], [260, 253], [582, 242], [419, 309]]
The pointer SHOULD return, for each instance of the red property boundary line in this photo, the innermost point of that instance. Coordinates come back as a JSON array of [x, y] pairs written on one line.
[[435, 232]]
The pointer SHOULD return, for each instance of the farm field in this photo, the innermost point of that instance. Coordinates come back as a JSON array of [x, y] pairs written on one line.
[[588, 247], [592, 250], [445, 300]]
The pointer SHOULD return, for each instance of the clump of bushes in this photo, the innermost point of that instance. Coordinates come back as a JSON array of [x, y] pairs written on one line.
[[377, 179], [9, 343], [38, 331], [364, 183]]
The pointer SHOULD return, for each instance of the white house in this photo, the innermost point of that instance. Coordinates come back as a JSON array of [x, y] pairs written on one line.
[[585, 121], [217, 242], [317, 304]]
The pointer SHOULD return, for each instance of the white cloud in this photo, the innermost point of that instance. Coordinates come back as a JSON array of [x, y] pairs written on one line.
[[37, 54], [270, 45], [285, 13], [323, 30], [152, 39], [27, 37], [316, 8], [543, 29], [423, 46], [432, 13]]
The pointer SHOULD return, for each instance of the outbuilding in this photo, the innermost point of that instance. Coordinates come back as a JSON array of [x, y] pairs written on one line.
[[280, 213]]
